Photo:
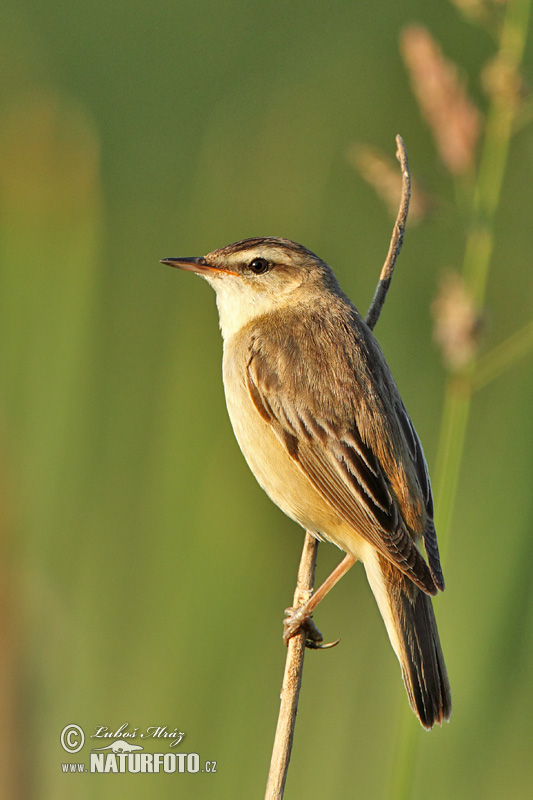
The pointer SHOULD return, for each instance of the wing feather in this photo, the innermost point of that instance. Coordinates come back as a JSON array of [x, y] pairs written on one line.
[[344, 469]]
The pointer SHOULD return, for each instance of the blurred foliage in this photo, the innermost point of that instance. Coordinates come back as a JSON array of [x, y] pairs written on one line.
[[144, 573]]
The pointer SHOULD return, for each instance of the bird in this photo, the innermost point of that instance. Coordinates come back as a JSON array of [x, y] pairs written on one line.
[[320, 421]]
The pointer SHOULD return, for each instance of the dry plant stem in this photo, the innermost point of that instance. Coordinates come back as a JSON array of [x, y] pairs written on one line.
[[292, 678], [396, 240]]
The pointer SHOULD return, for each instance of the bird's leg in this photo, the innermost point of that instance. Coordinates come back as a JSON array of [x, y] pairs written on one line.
[[298, 618]]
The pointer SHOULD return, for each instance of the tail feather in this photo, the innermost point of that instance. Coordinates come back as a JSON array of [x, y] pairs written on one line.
[[410, 621]]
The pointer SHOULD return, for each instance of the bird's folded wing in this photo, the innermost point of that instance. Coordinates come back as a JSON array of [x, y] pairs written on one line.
[[344, 469], [421, 470]]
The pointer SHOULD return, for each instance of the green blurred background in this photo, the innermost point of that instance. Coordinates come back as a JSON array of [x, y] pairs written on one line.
[[143, 572]]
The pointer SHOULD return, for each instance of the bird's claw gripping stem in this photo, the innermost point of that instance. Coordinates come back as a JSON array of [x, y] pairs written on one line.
[[299, 619]]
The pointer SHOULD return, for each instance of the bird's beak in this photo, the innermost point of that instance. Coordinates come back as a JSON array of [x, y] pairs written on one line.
[[198, 265]]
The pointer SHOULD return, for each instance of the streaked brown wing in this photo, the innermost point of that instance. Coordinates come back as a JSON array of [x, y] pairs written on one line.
[[422, 474], [343, 468]]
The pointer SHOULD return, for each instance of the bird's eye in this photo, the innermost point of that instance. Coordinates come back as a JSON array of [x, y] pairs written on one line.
[[258, 266]]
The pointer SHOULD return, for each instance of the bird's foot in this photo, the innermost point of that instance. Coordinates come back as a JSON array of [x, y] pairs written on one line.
[[298, 620]]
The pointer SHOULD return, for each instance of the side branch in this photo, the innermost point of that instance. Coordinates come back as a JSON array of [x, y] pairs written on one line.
[[292, 679], [396, 240]]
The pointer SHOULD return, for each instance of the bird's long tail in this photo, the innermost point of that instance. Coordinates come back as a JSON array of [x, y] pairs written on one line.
[[410, 621]]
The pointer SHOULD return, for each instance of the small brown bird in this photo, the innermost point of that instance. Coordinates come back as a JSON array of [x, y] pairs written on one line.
[[321, 423]]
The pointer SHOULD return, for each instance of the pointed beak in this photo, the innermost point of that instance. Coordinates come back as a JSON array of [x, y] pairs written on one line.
[[198, 265]]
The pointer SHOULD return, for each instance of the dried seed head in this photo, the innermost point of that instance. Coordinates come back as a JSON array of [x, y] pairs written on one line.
[[452, 117], [457, 322], [383, 175], [502, 81]]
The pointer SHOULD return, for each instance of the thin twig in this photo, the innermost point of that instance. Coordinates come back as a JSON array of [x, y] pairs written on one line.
[[292, 679], [396, 240]]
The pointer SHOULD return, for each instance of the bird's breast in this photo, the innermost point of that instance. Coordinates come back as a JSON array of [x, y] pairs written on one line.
[[275, 470]]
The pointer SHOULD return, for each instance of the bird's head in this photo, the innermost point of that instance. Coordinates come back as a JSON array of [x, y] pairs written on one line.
[[258, 276]]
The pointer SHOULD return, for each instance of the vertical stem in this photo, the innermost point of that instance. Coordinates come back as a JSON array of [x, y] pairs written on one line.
[[478, 252], [495, 148], [457, 396], [292, 678]]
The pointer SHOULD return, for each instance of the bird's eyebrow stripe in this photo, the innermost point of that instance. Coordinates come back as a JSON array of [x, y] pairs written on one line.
[[251, 245], [243, 246]]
